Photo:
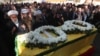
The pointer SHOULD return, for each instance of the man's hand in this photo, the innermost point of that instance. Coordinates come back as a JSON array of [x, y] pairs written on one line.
[[13, 30], [23, 26]]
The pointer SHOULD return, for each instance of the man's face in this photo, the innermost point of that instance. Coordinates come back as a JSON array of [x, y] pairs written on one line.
[[24, 15], [13, 17], [80, 9]]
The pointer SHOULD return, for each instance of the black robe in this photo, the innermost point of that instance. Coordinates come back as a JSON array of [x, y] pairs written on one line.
[[96, 19], [10, 33], [3, 46], [10, 37]]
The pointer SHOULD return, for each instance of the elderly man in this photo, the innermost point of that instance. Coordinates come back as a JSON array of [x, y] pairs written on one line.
[[13, 27], [18, 24]]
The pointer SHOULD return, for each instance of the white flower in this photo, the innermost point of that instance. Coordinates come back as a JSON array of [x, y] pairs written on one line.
[[36, 37], [69, 25]]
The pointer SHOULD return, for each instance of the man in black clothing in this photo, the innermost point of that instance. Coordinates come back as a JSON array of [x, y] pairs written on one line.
[[13, 27], [3, 46], [96, 42], [96, 18]]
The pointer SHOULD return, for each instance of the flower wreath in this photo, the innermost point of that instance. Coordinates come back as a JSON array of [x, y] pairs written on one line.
[[68, 27], [76, 26], [37, 39], [82, 25]]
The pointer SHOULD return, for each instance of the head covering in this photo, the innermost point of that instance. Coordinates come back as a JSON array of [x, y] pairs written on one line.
[[24, 10], [11, 12], [37, 12]]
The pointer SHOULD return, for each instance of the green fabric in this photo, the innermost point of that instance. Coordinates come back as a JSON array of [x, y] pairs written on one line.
[[16, 47]]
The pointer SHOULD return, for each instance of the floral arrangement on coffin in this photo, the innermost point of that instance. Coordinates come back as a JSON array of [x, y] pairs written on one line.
[[68, 27], [77, 26], [38, 39], [83, 26]]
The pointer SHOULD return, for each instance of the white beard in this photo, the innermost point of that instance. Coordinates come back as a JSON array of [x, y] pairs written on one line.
[[16, 23]]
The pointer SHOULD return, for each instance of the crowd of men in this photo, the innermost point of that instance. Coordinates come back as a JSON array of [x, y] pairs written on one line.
[[24, 17]]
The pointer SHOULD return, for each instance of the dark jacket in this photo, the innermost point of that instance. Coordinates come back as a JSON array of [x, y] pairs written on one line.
[[11, 32]]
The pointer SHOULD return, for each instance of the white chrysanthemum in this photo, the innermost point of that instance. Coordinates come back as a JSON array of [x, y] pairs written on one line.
[[88, 25], [70, 26], [50, 39]]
